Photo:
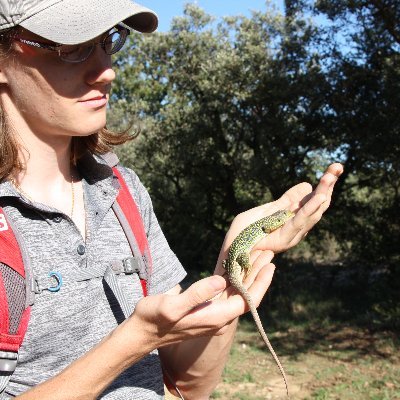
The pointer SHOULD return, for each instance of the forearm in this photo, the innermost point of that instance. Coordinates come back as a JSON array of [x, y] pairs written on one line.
[[195, 366], [91, 374]]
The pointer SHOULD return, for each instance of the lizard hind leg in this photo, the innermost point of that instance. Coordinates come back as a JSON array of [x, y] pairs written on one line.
[[243, 259]]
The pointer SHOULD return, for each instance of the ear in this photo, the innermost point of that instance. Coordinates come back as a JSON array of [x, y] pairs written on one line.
[[4, 68], [3, 77]]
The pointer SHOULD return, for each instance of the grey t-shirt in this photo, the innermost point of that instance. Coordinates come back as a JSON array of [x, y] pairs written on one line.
[[66, 324]]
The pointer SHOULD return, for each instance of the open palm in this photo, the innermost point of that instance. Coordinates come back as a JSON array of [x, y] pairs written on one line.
[[309, 206]]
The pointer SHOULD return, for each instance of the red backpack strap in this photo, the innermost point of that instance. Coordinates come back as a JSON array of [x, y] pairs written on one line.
[[134, 223], [131, 221], [13, 283], [10, 253]]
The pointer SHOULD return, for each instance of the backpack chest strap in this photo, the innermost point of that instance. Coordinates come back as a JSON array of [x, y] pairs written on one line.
[[8, 361], [127, 266], [54, 280]]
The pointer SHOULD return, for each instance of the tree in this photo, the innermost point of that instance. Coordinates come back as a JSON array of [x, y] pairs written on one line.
[[232, 115], [364, 98]]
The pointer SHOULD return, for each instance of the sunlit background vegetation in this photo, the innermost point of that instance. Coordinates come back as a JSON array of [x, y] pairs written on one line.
[[232, 112]]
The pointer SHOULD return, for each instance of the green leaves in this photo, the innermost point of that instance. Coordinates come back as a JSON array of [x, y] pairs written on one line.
[[233, 112]]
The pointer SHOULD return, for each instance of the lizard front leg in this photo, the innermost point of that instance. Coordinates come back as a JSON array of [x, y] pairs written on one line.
[[243, 259]]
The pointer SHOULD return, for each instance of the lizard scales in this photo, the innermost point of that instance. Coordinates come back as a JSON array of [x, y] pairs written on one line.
[[238, 261]]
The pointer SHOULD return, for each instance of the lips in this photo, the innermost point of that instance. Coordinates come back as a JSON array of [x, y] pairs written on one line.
[[95, 101]]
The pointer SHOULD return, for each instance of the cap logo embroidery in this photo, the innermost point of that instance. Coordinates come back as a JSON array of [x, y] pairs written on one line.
[[3, 223]]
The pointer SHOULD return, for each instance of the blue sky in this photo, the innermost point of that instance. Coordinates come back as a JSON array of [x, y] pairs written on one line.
[[167, 9]]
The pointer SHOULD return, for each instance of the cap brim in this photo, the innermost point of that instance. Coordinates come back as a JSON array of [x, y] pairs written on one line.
[[77, 21]]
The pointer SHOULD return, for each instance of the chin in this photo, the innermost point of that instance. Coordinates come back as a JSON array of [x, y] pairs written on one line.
[[93, 123], [90, 130]]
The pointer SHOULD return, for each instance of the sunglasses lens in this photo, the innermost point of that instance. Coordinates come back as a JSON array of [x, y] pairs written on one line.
[[112, 43], [75, 53], [115, 40]]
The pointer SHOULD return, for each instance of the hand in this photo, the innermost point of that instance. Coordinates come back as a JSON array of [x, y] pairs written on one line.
[[200, 310], [207, 307], [309, 206]]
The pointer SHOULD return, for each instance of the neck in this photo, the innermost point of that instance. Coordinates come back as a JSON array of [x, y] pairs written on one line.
[[46, 163], [48, 176]]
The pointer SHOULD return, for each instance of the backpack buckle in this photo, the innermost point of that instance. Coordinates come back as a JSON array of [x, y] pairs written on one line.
[[130, 265], [35, 288], [8, 361]]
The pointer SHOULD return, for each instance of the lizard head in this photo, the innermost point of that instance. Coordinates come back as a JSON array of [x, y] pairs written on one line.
[[277, 219]]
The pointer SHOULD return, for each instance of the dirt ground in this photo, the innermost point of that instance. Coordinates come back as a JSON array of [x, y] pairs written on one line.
[[336, 363], [340, 363]]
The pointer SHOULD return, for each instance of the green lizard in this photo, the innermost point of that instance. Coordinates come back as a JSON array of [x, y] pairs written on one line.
[[238, 261]]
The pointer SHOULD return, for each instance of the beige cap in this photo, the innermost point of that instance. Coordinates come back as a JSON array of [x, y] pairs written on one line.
[[75, 21]]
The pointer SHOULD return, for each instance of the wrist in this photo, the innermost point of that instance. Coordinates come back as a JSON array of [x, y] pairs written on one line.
[[133, 339]]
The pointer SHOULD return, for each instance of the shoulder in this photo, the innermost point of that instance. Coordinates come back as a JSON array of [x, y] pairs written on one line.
[[135, 186]]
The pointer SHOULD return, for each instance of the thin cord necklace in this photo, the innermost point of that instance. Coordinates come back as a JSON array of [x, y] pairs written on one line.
[[20, 190]]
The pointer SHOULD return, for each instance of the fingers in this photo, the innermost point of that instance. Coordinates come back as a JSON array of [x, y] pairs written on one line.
[[258, 260], [316, 203], [327, 182], [310, 212], [309, 207], [328, 179], [236, 305], [262, 282], [301, 193], [335, 169], [224, 310], [172, 318], [198, 293], [321, 196], [291, 199]]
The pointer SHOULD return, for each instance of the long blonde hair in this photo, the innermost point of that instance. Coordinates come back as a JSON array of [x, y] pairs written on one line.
[[99, 143]]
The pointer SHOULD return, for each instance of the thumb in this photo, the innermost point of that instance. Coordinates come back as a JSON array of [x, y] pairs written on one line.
[[201, 291]]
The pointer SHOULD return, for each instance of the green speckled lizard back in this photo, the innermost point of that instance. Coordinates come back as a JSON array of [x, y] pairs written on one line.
[[249, 236]]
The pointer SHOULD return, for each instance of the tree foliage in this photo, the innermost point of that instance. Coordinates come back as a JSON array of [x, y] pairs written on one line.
[[364, 101], [233, 112]]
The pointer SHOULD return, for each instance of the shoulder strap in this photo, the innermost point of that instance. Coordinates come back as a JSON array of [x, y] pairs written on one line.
[[10, 254], [131, 221], [14, 307]]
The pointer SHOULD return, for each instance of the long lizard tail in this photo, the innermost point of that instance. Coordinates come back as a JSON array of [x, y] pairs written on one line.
[[245, 294]]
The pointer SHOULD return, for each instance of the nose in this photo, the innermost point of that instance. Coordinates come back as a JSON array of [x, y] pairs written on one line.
[[99, 71]]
